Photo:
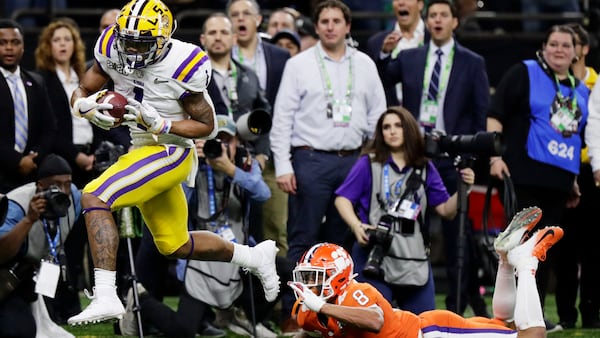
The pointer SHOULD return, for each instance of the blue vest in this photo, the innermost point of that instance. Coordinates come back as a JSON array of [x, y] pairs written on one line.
[[544, 143]]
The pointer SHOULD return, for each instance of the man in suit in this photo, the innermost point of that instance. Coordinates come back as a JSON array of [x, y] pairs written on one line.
[[267, 61], [408, 32], [27, 123], [446, 87]]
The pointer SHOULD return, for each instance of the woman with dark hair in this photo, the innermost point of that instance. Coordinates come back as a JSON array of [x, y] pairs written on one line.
[[541, 107], [394, 178]]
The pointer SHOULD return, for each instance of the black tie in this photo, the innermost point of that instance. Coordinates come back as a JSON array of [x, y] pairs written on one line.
[[435, 77]]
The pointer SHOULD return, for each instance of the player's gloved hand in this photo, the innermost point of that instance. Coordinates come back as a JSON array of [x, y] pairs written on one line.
[[146, 115], [88, 108], [312, 301]]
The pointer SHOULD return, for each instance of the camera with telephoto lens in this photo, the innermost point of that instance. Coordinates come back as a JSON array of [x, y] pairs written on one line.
[[437, 144], [57, 203], [380, 240], [253, 124]]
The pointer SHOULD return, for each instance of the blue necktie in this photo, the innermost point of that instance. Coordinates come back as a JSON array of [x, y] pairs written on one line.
[[435, 77], [20, 114]]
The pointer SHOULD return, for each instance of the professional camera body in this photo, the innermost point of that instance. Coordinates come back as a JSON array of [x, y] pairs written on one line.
[[212, 148], [380, 240], [437, 144], [57, 203], [106, 154]]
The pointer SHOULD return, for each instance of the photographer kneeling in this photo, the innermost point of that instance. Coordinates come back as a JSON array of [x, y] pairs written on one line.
[[39, 218], [391, 185]]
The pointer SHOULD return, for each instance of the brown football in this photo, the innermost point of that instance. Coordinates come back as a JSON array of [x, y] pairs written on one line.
[[118, 102]]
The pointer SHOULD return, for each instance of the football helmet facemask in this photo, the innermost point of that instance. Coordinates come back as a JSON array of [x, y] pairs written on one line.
[[143, 29], [325, 268]]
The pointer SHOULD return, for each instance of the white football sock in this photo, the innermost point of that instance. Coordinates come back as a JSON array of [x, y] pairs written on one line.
[[104, 278], [505, 292], [528, 308], [241, 255]]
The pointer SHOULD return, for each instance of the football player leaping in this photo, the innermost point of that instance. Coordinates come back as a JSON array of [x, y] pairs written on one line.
[[332, 304], [165, 82]]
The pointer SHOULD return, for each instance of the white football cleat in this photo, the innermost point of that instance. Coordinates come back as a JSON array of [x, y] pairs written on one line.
[[517, 232], [266, 270], [105, 305], [536, 246]]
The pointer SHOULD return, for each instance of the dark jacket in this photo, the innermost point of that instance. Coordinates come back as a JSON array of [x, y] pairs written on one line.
[[251, 98], [467, 94], [275, 57], [41, 129]]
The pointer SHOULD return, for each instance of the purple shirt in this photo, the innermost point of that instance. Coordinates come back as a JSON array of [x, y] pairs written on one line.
[[357, 186]]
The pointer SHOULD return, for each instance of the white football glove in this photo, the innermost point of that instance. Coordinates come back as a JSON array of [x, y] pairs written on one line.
[[88, 108], [146, 115], [312, 301]]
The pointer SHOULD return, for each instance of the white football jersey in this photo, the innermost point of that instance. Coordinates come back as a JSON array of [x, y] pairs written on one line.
[[183, 68]]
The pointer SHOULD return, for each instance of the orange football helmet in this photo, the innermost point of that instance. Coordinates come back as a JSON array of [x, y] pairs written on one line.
[[326, 267]]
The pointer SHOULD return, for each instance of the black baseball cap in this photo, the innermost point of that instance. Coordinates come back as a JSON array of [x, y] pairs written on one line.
[[286, 33]]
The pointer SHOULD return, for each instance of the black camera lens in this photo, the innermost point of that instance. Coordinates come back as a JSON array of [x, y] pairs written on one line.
[[380, 240], [481, 144], [212, 148]]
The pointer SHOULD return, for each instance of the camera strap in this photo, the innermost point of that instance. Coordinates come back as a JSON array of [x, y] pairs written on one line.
[[412, 184], [214, 214]]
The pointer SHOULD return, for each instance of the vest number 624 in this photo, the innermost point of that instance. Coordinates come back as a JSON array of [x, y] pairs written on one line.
[[561, 149]]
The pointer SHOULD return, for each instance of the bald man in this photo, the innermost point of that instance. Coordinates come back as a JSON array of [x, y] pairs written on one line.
[[108, 18]]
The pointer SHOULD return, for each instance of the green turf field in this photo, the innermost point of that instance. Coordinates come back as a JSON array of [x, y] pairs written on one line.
[[106, 329]]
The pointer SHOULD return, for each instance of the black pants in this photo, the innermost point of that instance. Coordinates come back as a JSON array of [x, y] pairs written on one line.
[[552, 202], [16, 318], [577, 250]]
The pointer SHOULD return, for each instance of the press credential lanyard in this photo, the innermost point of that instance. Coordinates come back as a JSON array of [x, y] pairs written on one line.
[[443, 77], [327, 80], [386, 184], [52, 243], [212, 204], [560, 94], [232, 88]]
